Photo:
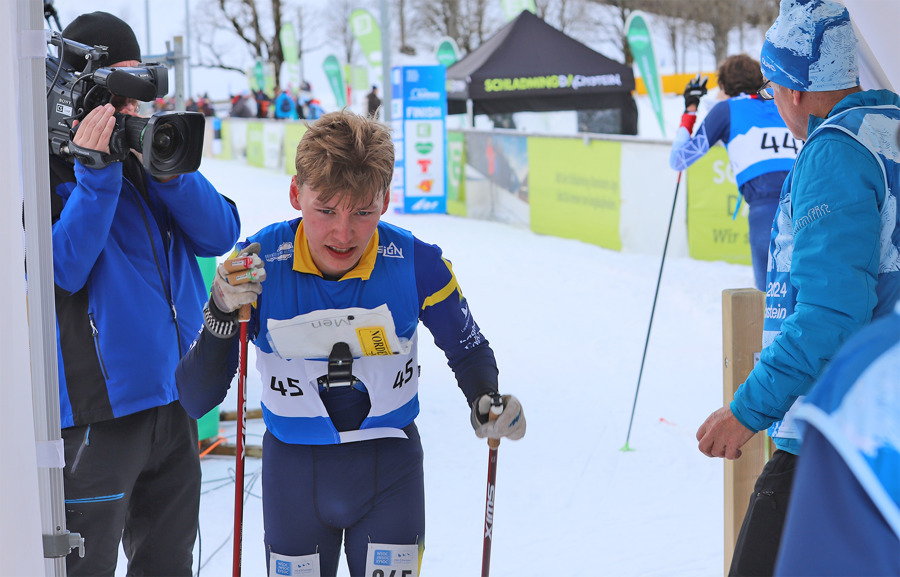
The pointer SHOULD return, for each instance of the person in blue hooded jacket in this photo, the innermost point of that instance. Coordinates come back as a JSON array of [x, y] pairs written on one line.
[[339, 295], [844, 517], [834, 262], [129, 297], [761, 150]]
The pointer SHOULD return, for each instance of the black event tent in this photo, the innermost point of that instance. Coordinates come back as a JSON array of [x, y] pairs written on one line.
[[531, 66]]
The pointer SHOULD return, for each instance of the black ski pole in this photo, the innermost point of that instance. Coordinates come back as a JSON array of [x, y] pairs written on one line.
[[652, 310]]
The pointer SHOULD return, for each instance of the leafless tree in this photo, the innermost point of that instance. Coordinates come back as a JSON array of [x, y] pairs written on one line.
[[255, 23], [468, 22], [400, 9]]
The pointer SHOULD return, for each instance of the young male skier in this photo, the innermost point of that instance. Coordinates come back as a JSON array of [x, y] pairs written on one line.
[[335, 329]]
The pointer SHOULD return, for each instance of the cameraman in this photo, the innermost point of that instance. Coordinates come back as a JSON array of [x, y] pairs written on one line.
[[129, 296]]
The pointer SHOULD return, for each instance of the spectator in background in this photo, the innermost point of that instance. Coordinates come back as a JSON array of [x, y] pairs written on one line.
[[285, 106], [205, 105], [373, 103], [315, 109], [760, 148], [262, 104], [834, 257], [240, 107], [844, 516]]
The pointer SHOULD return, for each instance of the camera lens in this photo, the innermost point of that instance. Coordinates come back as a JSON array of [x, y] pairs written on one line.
[[167, 140]]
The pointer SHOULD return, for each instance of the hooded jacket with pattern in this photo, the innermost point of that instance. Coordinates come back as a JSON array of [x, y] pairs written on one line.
[[834, 261]]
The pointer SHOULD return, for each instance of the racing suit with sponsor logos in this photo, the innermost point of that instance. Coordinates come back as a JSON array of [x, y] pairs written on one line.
[[344, 458]]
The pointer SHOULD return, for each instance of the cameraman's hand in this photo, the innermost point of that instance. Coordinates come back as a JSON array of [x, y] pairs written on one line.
[[96, 129]]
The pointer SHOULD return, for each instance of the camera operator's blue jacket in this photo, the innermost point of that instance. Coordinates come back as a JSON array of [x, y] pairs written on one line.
[[129, 293]]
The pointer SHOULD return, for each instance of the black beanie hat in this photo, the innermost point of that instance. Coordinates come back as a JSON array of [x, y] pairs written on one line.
[[104, 29]]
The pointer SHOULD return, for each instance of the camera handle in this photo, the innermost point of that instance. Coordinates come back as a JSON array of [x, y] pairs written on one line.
[[94, 158]]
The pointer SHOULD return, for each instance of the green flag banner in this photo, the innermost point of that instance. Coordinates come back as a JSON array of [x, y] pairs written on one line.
[[290, 50], [335, 79], [641, 43], [366, 30], [447, 52], [512, 8]]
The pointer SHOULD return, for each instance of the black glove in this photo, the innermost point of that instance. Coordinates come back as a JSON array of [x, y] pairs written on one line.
[[694, 91]]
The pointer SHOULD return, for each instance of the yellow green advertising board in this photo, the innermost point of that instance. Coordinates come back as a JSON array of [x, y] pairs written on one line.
[[293, 132], [456, 169], [711, 202], [256, 155], [574, 189], [225, 135]]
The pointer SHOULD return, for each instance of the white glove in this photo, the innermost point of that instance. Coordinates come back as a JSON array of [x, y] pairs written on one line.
[[238, 280], [509, 423]]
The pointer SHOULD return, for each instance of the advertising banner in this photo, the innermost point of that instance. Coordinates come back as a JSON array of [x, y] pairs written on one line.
[[641, 43], [336, 79], [447, 52], [290, 50], [256, 155], [512, 8], [293, 132], [456, 162], [367, 32], [419, 174], [575, 189], [712, 196]]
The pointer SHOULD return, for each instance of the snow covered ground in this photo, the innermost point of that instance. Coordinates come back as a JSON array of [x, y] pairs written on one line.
[[567, 321]]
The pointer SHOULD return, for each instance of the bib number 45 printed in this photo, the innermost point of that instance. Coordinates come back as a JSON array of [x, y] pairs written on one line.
[[291, 390]]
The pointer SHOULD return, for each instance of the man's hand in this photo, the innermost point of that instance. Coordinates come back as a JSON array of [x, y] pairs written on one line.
[[238, 280], [509, 423], [693, 92], [722, 435], [96, 129]]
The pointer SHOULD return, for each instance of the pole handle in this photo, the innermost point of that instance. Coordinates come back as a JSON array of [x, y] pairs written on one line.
[[493, 415], [244, 313]]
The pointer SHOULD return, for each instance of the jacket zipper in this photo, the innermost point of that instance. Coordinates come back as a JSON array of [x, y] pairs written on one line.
[[166, 290], [96, 334]]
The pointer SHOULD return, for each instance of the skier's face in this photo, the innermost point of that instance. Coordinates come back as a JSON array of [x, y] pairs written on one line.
[[337, 233]]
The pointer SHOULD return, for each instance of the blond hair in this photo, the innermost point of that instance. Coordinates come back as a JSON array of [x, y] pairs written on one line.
[[348, 156]]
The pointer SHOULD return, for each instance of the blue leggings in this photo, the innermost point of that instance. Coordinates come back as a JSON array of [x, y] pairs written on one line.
[[368, 491], [760, 218]]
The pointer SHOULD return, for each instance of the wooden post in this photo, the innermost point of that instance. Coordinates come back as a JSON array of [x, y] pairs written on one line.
[[743, 311]]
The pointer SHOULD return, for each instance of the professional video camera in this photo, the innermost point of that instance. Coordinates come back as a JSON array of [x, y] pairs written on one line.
[[171, 142]]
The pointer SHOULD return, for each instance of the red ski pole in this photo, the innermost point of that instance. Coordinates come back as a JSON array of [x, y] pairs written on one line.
[[243, 317], [493, 444]]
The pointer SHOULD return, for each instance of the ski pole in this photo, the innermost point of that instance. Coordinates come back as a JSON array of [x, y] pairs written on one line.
[[652, 310], [243, 317], [496, 409]]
